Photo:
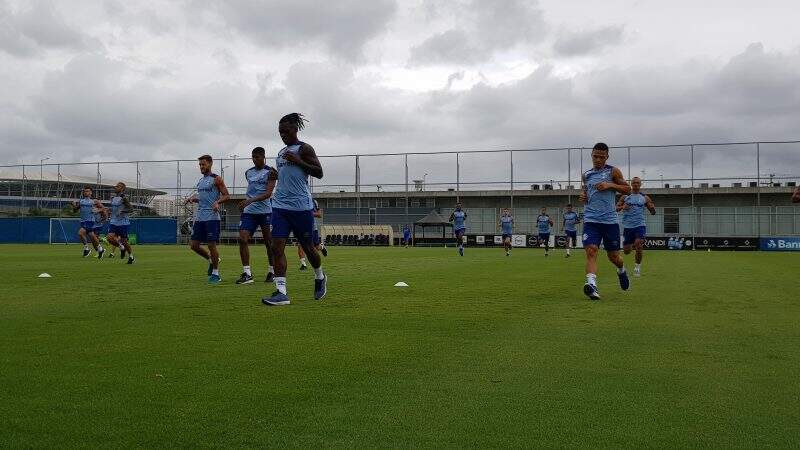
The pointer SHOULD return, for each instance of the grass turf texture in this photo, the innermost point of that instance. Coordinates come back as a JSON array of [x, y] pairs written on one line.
[[480, 351]]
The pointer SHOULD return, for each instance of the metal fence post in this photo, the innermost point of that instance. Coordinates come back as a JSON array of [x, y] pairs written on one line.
[[694, 208], [629, 164], [358, 191], [511, 168], [758, 187], [458, 178], [406, 164], [22, 197], [569, 175]]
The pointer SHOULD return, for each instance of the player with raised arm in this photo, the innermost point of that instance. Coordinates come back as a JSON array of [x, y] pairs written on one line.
[[256, 213], [118, 229], [601, 183], [544, 223], [634, 226], [211, 193], [87, 207], [293, 207], [571, 220], [507, 229], [459, 219]]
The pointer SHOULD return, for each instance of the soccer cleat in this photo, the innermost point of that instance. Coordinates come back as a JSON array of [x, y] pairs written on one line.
[[210, 269], [624, 282], [131, 260], [567, 255], [110, 255], [303, 267], [276, 299], [245, 279], [324, 251], [591, 291], [461, 251], [86, 252], [100, 253], [270, 277], [320, 288], [214, 279]]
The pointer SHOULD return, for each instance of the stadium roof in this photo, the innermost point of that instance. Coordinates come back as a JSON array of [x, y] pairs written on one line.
[[15, 175]]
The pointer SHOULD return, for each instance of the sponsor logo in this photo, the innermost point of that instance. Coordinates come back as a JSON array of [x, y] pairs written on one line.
[[480, 239], [498, 239], [781, 244]]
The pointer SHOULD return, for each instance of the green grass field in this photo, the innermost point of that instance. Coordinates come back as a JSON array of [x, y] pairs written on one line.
[[480, 351]]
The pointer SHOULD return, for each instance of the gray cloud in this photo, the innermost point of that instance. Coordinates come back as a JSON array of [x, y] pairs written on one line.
[[342, 27], [578, 43], [482, 30], [26, 32]]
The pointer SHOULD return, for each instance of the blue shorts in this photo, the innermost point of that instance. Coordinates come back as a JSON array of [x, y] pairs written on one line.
[[544, 237], [251, 222], [98, 229], [88, 225], [506, 236], [298, 223], [407, 237], [121, 231], [459, 231], [315, 238], [572, 234], [630, 235], [607, 233], [206, 231]]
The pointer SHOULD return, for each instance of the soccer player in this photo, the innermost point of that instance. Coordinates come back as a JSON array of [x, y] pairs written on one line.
[[86, 205], [459, 219], [118, 229], [633, 223], [544, 223], [507, 228], [571, 220], [600, 185], [211, 193], [406, 235], [293, 207], [796, 195], [256, 213], [100, 215], [316, 239]]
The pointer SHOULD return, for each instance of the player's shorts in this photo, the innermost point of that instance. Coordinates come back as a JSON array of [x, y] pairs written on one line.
[[630, 235], [315, 238], [206, 231], [99, 229], [251, 222], [121, 231], [545, 237], [298, 223], [459, 231], [506, 236], [572, 234], [605, 233], [88, 225]]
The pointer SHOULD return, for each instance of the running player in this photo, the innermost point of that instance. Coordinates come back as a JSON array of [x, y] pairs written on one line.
[[292, 207], [101, 215], [600, 185], [571, 220], [256, 213], [86, 205], [507, 228], [459, 219], [211, 193], [406, 235], [544, 224], [633, 223], [118, 230], [317, 240]]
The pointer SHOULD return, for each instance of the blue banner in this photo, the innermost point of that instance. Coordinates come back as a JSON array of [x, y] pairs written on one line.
[[781, 244]]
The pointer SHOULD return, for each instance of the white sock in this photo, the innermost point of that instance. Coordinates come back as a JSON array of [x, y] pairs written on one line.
[[99, 248], [215, 272], [621, 269], [591, 279], [130, 255], [86, 246], [272, 270], [568, 250], [638, 267], [318, 275], [280, 284], [302, 261], [247, 271]]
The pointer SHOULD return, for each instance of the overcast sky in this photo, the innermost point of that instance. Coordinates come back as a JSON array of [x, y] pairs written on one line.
[[120, 80]]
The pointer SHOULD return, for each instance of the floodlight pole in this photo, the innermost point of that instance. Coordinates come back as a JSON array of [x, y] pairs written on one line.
[[405, 157], [511, 168], [41, 179]]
